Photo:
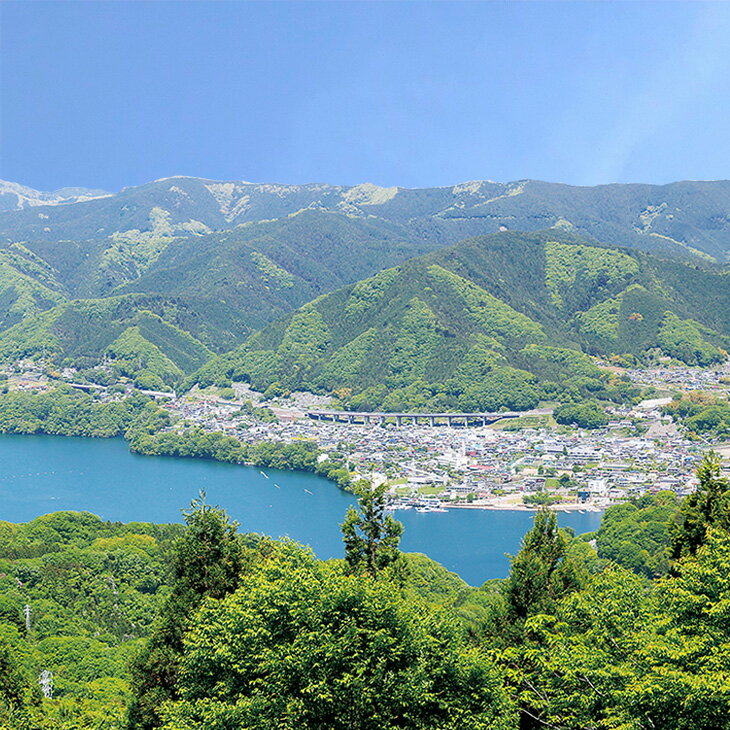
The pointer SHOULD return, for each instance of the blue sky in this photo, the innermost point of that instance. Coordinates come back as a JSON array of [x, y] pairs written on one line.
[[110, 94]]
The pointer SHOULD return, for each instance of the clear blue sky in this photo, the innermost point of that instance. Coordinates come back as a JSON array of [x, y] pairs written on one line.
[[110, 94]]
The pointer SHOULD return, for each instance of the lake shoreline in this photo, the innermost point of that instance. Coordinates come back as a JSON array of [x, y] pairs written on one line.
[[525, 508], [45, 474]]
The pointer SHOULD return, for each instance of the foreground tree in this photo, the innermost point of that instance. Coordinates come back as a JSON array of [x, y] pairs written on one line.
[[302, 646], [709, 505], [208, 561], [371, 536], [684, 678], [542, 572]]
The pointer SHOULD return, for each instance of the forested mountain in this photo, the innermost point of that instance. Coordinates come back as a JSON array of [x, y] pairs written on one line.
[[488, 323], [234, 281], [674, 218], [141, 335], [366, 290]]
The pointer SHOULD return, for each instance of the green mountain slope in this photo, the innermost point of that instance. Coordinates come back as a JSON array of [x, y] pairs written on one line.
[[492, 322], [139, 336], [27, 285], [238, 280]]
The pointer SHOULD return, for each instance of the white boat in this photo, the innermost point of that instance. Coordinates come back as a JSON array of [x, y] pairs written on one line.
[[276, 485], [308, 492], [425, 509], [264, 475]]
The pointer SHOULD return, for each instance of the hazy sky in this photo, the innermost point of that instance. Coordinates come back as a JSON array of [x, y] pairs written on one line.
[[109, 94]]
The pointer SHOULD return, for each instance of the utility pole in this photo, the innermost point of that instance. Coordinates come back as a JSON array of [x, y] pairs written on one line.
[[26, 611]]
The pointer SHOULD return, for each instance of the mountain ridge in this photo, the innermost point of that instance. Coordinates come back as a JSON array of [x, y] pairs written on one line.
[[682, 218]]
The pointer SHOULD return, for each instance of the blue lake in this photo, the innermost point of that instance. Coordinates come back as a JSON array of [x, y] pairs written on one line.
[[41, 474]]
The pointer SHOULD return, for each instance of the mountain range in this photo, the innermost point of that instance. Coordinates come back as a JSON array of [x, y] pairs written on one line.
[[366, 290], [678, 218]]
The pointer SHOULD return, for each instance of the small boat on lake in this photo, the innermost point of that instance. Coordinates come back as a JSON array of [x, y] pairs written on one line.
[[308, 492]]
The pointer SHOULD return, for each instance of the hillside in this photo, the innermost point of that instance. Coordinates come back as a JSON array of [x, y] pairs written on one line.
[[235, 281], [489, 323], [136, 336], [680, 218]]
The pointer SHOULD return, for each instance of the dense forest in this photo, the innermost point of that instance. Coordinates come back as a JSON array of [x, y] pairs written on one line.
[[205, 626], [492, 323], [489, 323]]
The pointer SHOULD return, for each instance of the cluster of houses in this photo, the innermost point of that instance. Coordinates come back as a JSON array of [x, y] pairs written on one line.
[[484, 466], [639, 451]]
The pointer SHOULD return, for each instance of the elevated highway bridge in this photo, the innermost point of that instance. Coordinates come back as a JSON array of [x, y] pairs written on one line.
[[432, 419]]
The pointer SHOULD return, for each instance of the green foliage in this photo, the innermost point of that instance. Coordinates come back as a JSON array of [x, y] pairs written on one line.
[[370, 535], [69, 412], [576, 276], [708, 506], [196, 443], [582, 415], [574, 666], [495, 318], [683, 340], [542, 572], [208, 560], [26, 288], [93, 588], [368, 292], [139, 358], [542, 498], [300, 645], [635, 535], [273, 274], [140, 333], [682, 678], [701, 413]]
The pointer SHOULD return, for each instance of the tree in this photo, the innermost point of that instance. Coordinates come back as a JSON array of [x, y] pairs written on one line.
[[684, 660], [573, 668], [16, 693], [709, 505], [302, 646], [541, 573], [370, 535], [208, 561]]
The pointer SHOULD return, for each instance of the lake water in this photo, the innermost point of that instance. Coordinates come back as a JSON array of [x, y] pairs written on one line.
[[41, 474]]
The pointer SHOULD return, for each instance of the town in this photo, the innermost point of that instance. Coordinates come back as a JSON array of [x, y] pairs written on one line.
[[435, 464]]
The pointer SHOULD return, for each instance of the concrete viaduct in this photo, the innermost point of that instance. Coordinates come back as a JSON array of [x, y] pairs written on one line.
[[433, 419]]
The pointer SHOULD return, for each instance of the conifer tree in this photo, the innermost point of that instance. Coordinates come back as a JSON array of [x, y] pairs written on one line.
[[709, 505], [541, 573], [208, 561], [370, 535]]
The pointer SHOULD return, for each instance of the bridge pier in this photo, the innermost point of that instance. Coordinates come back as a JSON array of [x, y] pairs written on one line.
[[417, 419]]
